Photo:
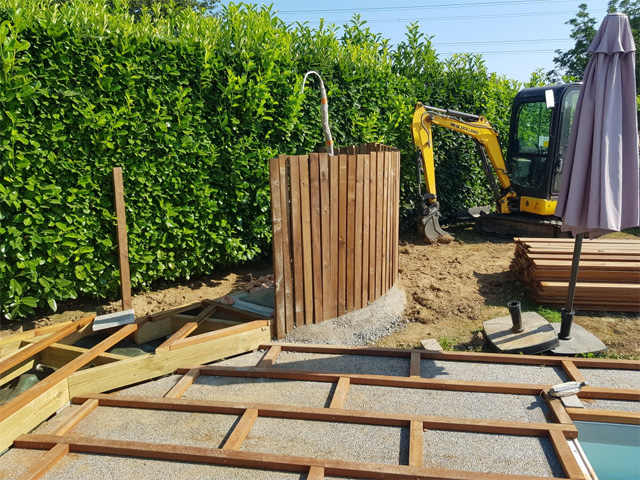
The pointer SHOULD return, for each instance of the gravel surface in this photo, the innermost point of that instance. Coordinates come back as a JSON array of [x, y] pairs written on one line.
[[616, 405], [157, 426], [261, 390], [362, 364], [341, 441], [358, 328], [87, 466], [599, 377], [16, 461], [490, 406], [482, 452], [492, 372]]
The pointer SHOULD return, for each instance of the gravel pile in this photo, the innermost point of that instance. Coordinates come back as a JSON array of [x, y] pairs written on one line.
[[359, 328]]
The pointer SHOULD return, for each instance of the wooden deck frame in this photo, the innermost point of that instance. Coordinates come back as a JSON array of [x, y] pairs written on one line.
[[559, 433], [81, 370]]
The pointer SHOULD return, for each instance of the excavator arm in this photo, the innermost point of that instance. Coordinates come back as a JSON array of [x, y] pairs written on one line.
[[486, 140]]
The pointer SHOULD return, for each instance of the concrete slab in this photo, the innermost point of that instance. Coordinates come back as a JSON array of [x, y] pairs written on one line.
[[538, 335], [265, 297], [582, 342]]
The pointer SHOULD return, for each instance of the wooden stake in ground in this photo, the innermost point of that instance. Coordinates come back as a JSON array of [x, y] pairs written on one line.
[[127, 314]]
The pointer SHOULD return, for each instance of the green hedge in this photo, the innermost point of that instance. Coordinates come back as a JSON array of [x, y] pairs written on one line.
[[192, 108]]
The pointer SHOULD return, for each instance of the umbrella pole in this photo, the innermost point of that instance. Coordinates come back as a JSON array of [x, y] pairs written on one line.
[[567, 312]]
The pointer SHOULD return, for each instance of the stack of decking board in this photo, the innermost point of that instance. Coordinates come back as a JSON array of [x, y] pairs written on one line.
[[608, 276]]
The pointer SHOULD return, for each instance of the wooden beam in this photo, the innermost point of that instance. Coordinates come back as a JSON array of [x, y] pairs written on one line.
[[138, 369], [50, 339], [183, 384], [315, 473], [558, 410], [414, 369], [76, 417], [36, 332], [59, 354], [46, 462], [611, 416], [609, 393], [238, 458], [380, 380], [123, 250], [186, 329], [416, 444], [572, 371], [461, 356], [340, 394], [270, 356], [217, 334], [331, 415], [241, 430], [565, 455]]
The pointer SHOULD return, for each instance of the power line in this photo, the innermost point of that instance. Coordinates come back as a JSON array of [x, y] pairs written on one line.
[[503, 42], [499, 52], [414, 7]]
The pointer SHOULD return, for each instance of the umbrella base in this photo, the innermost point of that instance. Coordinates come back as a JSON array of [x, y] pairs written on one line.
[[582, 342], [537, 335]]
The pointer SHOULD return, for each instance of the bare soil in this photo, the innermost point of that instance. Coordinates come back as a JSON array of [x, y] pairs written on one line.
[[451, 290]]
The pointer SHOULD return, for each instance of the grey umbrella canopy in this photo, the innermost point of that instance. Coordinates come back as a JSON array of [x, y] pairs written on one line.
[[600, 189]]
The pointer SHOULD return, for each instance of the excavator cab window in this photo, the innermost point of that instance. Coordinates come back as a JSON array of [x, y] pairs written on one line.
[[526, 162], [569, 103]]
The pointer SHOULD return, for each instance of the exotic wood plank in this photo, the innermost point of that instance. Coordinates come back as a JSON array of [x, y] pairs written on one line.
[[605, 363], [241, 430], [334, 191], [359, 209], [316, 238], [342, 233], [325, 236], [76, 417], [365, 229], [307, 253], [416, 443], [183, 384], [240, 458], [340, 393], [278, 245], [46, 462], [332, 415], [351, 231], [315, 473], [373, 226], [558, 410], [286, 244], [123, 250], [379, 222], [269, 357], [385, 227], [414, 368], [572, 371], [226, 332], [296, 242], [565, 455], [50, 339], [609, 416]]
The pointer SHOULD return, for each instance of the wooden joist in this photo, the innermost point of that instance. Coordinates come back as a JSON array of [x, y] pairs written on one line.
[[608, 275]]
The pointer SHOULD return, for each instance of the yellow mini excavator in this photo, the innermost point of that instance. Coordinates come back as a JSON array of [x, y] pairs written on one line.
[[526, 184]]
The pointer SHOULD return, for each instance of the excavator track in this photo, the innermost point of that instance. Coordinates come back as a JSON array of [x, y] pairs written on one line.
[[512, 225]]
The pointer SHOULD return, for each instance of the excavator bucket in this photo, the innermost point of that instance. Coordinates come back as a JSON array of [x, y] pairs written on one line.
[[429, 226]]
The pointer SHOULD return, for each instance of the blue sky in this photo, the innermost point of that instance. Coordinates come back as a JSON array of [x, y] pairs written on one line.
[[514, 36]]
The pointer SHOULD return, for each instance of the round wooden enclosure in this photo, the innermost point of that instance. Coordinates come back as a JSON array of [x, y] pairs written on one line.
[[335, 232]]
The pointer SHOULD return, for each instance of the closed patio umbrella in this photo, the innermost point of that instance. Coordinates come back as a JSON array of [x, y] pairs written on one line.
[[600, 190]]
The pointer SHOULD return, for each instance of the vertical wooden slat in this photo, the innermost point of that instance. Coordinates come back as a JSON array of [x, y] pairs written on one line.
[[365, 231], [335, 181], [359, 207], [416, 443], [391, 221], [286, 243], [316, 239], [373, 195], [379, 224], [385, 224], [325, 224], [396, 208], [307, 254], [296, 241], [342, 234], [351, 230], [278, 267]]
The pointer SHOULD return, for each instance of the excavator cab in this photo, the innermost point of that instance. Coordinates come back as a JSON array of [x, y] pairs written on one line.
[[538, 140]]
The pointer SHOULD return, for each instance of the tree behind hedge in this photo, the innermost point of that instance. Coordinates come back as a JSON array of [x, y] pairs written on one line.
[[192, 107]]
